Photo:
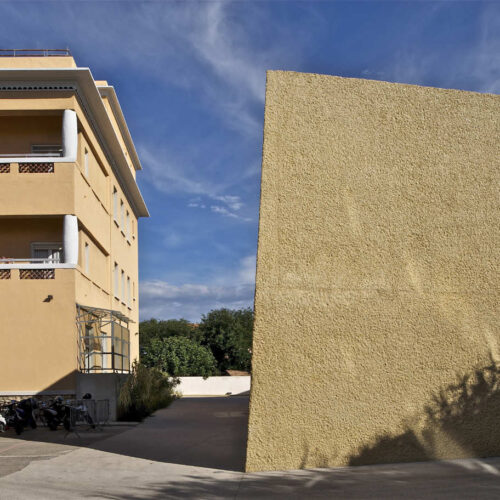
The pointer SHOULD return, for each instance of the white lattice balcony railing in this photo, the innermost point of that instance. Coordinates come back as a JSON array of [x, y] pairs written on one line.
[[38, 167]]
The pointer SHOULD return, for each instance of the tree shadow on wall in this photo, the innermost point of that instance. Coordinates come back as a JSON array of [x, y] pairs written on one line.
[[462, 420]]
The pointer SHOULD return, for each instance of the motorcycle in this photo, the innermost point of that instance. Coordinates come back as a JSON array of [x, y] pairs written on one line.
[[19, 414], [58, 413], [3, 423]]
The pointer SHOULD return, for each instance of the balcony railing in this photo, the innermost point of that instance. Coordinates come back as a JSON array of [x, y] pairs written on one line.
[[28, 267], [38, 167], [8, 260], [50, 154], [35, 53]]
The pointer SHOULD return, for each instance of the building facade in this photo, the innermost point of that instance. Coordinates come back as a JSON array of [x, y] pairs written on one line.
[[377, 334], [69, 205]]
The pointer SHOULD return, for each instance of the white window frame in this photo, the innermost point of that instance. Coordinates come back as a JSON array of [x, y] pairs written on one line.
[[128, 290], [127, 225], [46, 245], [123, 286], [47, 150]]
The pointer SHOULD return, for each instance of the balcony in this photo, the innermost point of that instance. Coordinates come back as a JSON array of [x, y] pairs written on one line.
[[30, 138], [49, 242]]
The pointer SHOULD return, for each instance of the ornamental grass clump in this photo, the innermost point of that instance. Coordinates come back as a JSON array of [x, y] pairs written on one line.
[[144, 391]]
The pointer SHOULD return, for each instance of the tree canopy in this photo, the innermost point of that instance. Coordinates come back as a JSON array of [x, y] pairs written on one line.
[[224, 337], [228, 334]]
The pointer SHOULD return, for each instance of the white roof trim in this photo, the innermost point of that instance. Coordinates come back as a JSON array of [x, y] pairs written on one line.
[[109, 92]]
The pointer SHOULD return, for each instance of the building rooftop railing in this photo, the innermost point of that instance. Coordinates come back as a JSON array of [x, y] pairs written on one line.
[[35, 53]]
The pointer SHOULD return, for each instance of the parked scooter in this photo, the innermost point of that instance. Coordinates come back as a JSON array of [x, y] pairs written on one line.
[[3, 423], [19, 414], [58, 413]]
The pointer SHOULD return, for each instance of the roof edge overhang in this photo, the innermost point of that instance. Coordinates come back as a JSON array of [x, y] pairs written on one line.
[[109, 92], [81, 81]]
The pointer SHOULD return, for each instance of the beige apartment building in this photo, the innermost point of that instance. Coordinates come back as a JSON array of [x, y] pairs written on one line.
[[69, 205], [377, 332]]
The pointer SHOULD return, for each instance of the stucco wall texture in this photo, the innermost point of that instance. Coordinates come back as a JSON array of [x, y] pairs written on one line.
[[376, 310]]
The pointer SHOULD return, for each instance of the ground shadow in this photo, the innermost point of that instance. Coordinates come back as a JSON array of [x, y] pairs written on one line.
[[461, 420], [203, 432], [450, 480]]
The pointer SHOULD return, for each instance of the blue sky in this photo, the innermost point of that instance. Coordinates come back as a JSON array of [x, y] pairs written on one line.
[[190, 77]]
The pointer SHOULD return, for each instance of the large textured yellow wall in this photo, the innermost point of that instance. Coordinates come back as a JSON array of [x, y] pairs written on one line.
[[376, 311]]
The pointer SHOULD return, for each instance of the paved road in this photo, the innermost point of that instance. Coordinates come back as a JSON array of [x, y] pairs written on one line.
[[195, 449]]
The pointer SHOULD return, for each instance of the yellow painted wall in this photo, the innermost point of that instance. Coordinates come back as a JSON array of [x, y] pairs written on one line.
[[377, 275], [38, 348], [37, 62], [38, 194]]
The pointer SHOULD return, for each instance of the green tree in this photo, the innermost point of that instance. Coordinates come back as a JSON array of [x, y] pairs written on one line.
[[228, 334], [179, 357], [150, 329]]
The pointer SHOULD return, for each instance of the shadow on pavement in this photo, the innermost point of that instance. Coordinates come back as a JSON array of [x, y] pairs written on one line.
[[203, 432]]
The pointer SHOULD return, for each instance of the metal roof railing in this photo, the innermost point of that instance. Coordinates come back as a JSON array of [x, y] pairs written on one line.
[[34, 52]]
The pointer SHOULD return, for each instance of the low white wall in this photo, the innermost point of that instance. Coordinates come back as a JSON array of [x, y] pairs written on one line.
[[213, 386]]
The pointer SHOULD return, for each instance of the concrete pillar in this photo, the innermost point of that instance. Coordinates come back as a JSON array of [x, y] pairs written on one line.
[[70, 239], [69, 135]]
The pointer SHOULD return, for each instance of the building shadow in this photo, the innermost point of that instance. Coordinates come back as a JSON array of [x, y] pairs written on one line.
[[462, 420], [206, 432]]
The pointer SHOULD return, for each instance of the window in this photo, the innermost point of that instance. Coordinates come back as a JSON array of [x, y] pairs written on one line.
[[123, 286], [48, 253], [86, 258], [86, 162], [49, 150], [133, 228], [122, 214], [128, 290], [116, 279], [115, 204], [127, 226], [133, 290]]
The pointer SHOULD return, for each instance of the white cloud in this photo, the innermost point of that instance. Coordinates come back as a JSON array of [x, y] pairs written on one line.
[[475, 67], [485, 60], [226, 213], [247, 270], [233, 202], [160, 299]]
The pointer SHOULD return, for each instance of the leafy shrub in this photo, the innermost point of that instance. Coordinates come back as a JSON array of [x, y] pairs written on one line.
[[144, 391], [180, 357]]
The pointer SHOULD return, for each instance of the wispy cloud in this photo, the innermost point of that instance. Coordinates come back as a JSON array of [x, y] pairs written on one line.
[[233, 202], [166, 176], [475, 66], [227, 213], [485, 60], [161, 299]]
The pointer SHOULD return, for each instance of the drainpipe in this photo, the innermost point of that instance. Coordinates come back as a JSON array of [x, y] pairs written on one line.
[[69, 135], [70, 239]]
